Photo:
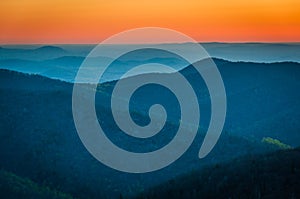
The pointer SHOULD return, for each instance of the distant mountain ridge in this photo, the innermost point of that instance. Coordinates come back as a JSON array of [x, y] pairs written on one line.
[[251, 52], [40, 53], [65, 67]]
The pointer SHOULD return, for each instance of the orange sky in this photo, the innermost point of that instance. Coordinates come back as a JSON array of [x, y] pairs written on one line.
[[91, 21]]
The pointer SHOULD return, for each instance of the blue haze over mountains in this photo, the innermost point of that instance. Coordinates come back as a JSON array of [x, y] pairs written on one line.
[[62, 61]]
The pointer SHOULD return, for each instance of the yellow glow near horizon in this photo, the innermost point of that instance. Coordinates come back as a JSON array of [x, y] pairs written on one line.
[[91, 21]]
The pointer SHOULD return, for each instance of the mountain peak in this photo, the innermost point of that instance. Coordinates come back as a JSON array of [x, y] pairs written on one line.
[[52, 48]]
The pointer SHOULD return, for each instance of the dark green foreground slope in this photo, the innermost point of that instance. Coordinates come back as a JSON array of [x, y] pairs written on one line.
[[13, 186], [275, 175]]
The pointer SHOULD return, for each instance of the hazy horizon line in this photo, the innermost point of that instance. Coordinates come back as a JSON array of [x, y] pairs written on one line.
[[212, 42]]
